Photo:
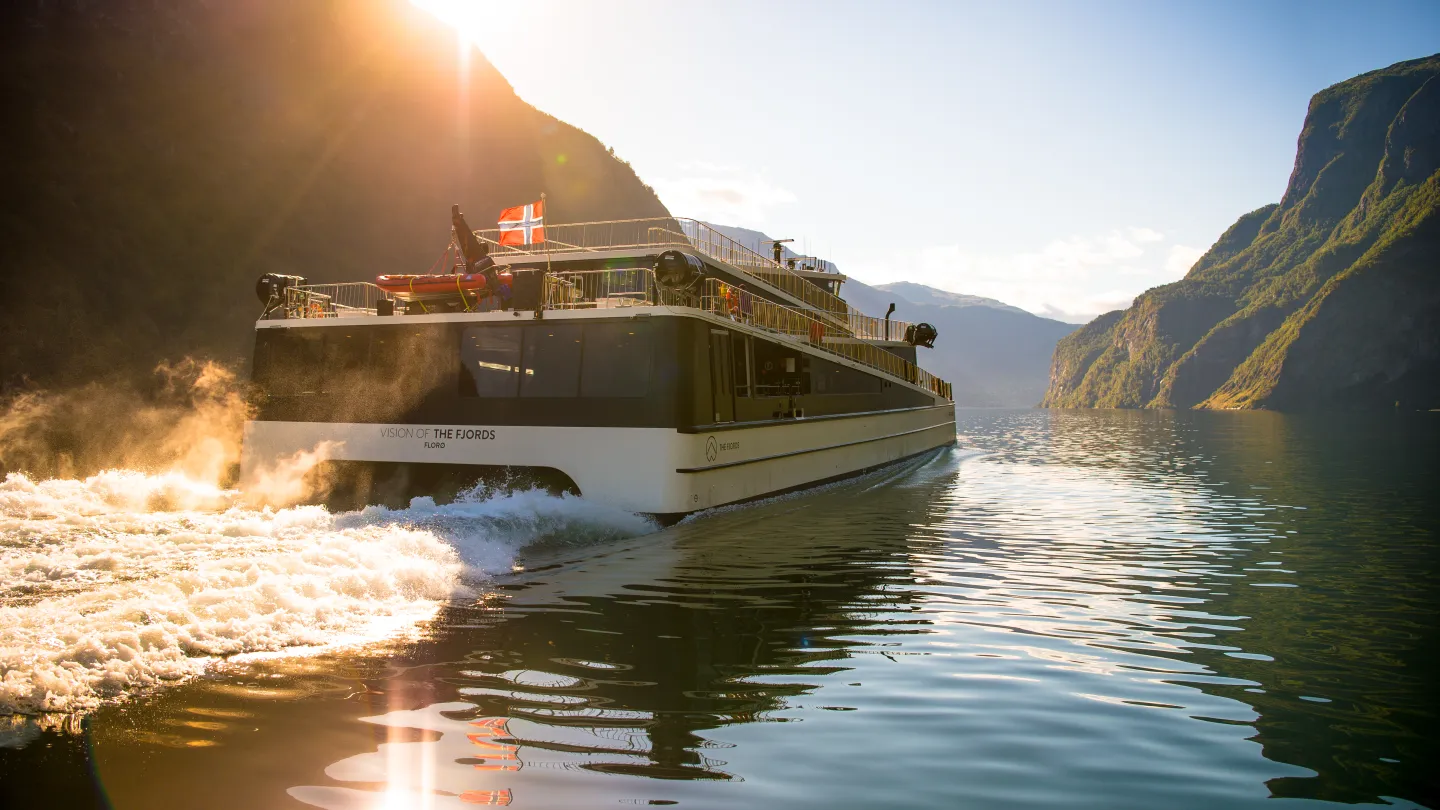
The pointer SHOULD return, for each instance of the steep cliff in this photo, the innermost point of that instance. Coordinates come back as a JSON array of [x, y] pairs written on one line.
[[1329, 299], [159, 154]]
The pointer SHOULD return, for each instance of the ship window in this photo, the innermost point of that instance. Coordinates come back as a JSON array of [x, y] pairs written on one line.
[[552, 361], [385, 357], [345, 355], [779, 370], [491, 356], [288, 361], [743, 362], [617, 360], [833, 378]]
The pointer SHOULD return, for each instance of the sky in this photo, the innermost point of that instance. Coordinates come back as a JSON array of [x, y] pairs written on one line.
[[1062, 157]]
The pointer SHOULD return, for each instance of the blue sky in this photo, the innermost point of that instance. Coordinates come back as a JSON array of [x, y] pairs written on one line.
[[1062, 157]]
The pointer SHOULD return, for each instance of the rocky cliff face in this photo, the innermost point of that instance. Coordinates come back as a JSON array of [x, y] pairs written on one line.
[[158, 155], [1329, 299]]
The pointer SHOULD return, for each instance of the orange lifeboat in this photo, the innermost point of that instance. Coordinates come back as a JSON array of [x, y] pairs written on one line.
[[410, 287]]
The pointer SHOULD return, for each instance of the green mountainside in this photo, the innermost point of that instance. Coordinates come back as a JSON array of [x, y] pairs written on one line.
[[159, 155], [1330, 299]]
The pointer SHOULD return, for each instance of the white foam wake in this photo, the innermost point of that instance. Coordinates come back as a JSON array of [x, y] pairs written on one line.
[[126, 581]]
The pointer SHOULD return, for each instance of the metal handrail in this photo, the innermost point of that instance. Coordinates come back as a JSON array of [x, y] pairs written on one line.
[[871, 328], [608, 289], [333, 300], [738, 305], [578, 237], [637, 287]]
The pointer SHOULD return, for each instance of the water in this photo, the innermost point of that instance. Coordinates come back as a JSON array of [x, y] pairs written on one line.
[[1108, 609]]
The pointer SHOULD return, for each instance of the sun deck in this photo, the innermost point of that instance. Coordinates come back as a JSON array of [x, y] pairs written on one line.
[[747, 288]]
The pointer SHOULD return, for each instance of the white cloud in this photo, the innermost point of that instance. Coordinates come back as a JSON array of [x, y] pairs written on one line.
[[1072, 279], [1181, 259], [722, 194]]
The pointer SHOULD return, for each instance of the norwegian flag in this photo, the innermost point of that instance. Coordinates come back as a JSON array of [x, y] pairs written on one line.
[[523, 224]]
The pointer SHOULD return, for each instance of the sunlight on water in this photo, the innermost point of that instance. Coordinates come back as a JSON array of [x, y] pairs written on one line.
[[1077, 612], [1071, 609]]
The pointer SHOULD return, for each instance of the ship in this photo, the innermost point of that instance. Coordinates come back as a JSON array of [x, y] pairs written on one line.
[[658, 365]]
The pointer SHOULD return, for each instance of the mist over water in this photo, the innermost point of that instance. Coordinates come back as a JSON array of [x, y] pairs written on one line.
[[129, 560]]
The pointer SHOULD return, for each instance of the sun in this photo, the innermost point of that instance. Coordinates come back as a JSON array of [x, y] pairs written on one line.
[[481, 22]]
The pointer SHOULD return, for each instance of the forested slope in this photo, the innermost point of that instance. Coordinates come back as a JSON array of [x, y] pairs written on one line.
[[1329, 299], [158, 155]]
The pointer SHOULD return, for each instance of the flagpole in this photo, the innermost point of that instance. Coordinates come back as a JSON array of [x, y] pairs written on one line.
[[545, 213]]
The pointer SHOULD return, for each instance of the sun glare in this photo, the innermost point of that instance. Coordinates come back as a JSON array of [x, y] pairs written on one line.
[[479, 21]]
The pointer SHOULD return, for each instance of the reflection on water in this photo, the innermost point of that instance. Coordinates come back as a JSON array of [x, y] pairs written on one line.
[[1094, 609]]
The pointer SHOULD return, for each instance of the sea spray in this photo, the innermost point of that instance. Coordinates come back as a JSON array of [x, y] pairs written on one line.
[[125, 581], [185, 417]]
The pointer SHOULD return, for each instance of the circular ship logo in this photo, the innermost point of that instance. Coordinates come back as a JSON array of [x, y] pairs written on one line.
[[712, 449]]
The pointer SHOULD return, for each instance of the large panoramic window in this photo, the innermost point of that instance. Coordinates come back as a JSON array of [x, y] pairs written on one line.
[[617, 360], [833, 378], [780, 370], [386, 355], [743, 359], [491, 358], [346, 359], [552, 361], [288, 361]]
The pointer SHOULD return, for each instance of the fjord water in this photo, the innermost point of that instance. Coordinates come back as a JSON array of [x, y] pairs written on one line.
[[1096, 609]]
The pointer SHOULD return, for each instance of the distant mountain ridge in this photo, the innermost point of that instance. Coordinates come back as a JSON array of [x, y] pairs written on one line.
[[996, 355], [921, 294], [1328, 299]]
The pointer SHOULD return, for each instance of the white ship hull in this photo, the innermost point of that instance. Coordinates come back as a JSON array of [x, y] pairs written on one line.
[[652, 470]]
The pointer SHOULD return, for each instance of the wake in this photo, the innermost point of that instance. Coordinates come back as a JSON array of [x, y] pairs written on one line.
[[126, 581]]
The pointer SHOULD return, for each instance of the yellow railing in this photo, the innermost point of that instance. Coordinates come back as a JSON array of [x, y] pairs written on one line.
[[603, 289], [610, 289], [731, 302], [631, 287], [579, 237], [868, 328]]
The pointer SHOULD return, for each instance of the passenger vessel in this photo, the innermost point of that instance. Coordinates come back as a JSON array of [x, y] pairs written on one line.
[[656, 364]]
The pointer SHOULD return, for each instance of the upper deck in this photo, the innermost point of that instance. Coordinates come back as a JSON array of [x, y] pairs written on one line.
[[601, 265]]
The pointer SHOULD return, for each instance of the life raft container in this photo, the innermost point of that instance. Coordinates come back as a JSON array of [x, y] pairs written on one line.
[[409, 287]]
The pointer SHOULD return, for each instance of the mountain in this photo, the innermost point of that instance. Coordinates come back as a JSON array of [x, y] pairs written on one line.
[[159, 155], [996, 355], [1329, 299], [921, 294]]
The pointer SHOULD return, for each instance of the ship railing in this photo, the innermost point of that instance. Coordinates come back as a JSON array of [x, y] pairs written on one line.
[[740, 306], [662, 232], [868, 328], [633, 287], [611, 289], [333, 300]]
